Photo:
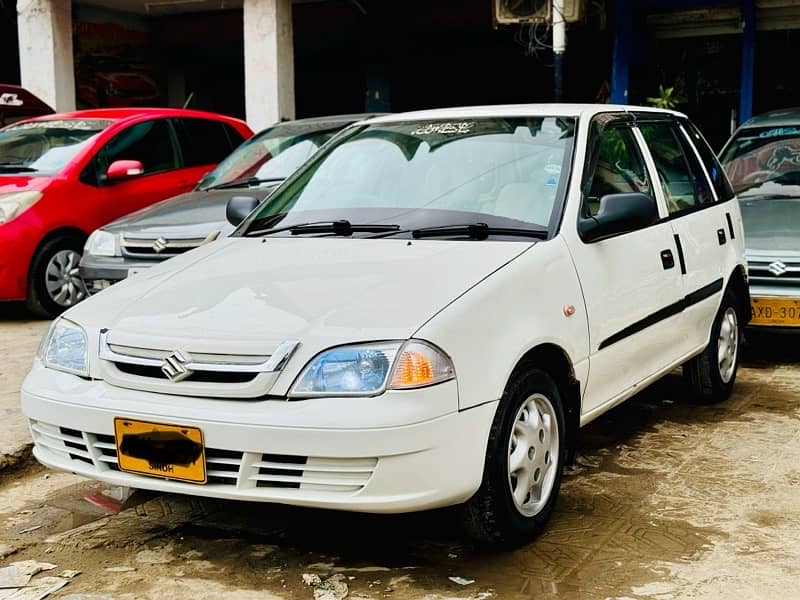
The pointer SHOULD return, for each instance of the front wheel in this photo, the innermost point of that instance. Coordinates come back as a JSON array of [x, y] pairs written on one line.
[[710, 375], [524, 463], [54, 284]]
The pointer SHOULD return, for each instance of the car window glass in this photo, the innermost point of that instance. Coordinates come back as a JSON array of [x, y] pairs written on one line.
[[618, 168], [150, 143], [718, 178], [684, 184], [203, 142]]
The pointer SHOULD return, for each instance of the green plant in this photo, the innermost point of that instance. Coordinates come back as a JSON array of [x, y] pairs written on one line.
[[666, 98]]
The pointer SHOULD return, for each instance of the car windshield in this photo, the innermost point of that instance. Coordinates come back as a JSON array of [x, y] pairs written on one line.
[[45, 147], [273, 154], [764, 161], [495, 172]]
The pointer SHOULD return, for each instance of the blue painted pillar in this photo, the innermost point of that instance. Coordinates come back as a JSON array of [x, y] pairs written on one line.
[[748, 60], [622, 51]]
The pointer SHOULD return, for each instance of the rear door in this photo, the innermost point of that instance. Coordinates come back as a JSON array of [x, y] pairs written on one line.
[[631, 285], [703, 227], [203, 144], [153, 144]]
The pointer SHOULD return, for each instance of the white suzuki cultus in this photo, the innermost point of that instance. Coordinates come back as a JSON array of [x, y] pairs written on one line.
[[424, 315]]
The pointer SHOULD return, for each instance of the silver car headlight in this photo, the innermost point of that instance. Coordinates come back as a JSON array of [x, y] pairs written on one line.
[[14, 204], [102, 243], [369, 369], [65, 348]]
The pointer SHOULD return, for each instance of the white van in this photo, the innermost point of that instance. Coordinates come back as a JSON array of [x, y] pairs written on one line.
[[424, 315]]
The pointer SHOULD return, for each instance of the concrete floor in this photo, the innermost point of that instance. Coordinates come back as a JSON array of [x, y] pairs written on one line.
[[668, 500]]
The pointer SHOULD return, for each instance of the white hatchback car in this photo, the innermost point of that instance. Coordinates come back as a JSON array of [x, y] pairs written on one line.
[[424, 315]]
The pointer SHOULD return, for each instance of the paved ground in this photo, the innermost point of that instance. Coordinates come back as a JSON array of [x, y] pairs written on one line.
[[668, 500]]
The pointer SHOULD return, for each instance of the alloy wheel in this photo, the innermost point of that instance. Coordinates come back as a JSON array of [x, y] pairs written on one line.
[[533, 450], [63, 284], [728, 344]]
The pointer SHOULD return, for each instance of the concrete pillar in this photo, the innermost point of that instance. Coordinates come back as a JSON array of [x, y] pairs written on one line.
[[45, 51], [268, 62]]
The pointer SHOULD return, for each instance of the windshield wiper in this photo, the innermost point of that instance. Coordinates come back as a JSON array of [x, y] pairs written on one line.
[[17, 168], [342, 227], [248, 182], [476, 231]]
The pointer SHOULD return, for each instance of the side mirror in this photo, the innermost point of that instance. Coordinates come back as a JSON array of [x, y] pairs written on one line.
[[124, 169], [619, 213], [239, 207]]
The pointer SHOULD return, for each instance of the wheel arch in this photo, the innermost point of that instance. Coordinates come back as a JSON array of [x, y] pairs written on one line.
[[554, 360], [65, 231], [737, 285]]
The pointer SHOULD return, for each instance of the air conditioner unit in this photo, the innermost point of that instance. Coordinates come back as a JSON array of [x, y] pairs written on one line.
[[507, 12]]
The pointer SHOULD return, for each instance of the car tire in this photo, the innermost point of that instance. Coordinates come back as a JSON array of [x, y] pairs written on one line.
[[53, 281], [711, 374], [526, 449]]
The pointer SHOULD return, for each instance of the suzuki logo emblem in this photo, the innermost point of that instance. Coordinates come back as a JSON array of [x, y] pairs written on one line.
[[174, 366], [159, 245], [777, 268]]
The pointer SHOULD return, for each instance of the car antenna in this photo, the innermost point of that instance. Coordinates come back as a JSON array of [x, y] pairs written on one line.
[[188, 100]]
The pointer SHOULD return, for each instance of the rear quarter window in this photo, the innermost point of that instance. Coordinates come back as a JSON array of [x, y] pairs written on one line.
[[715, 171]]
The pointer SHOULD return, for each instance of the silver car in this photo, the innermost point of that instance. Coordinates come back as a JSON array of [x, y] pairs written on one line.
[[762, 160]]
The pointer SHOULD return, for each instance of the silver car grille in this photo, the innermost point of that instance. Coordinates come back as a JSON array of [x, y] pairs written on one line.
[[233, 468], [774, 272], [189, 373], [160, 247]]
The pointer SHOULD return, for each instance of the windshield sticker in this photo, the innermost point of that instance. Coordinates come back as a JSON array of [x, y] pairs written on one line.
[[71, 124], [779, 131], [552, 169], [449, 127], [10, 100]]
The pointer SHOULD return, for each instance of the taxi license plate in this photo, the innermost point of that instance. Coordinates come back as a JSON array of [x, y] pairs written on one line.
[[161, 450], [776, 312]]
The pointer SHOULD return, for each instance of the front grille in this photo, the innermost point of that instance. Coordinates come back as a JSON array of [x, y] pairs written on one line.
[[159, 247], [788, 275], [197, 376], [230, 468]]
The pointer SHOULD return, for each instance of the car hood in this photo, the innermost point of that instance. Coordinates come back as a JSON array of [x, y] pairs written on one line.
[[194, 214], [247, 295], [771, 226]]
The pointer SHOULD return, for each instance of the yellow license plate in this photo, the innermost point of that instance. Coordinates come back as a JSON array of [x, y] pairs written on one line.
[[170, 451], [778, 312]]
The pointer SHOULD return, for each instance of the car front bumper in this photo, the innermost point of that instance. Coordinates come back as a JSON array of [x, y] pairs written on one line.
[[425, 463], [100, 272]]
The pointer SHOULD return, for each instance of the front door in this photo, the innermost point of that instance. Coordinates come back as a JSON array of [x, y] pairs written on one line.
[[153, 144], [631, 283]]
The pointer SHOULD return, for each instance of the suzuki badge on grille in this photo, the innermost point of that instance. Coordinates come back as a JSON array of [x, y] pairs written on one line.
[[160, 245], [174, 366], [777, 268]]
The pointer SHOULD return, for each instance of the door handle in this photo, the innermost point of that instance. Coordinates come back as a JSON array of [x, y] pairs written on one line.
[[721, 237], [667, 259]]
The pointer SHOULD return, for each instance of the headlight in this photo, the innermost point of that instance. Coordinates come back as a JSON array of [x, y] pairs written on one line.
[[369, 369], [65, 348], [102, 243], [14, 204]]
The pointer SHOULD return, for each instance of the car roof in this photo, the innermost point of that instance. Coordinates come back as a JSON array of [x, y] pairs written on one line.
[[518, 110], [121, 114], [774, 118]]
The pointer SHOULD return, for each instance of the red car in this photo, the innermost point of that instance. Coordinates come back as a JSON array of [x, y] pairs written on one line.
[[62, 176]]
